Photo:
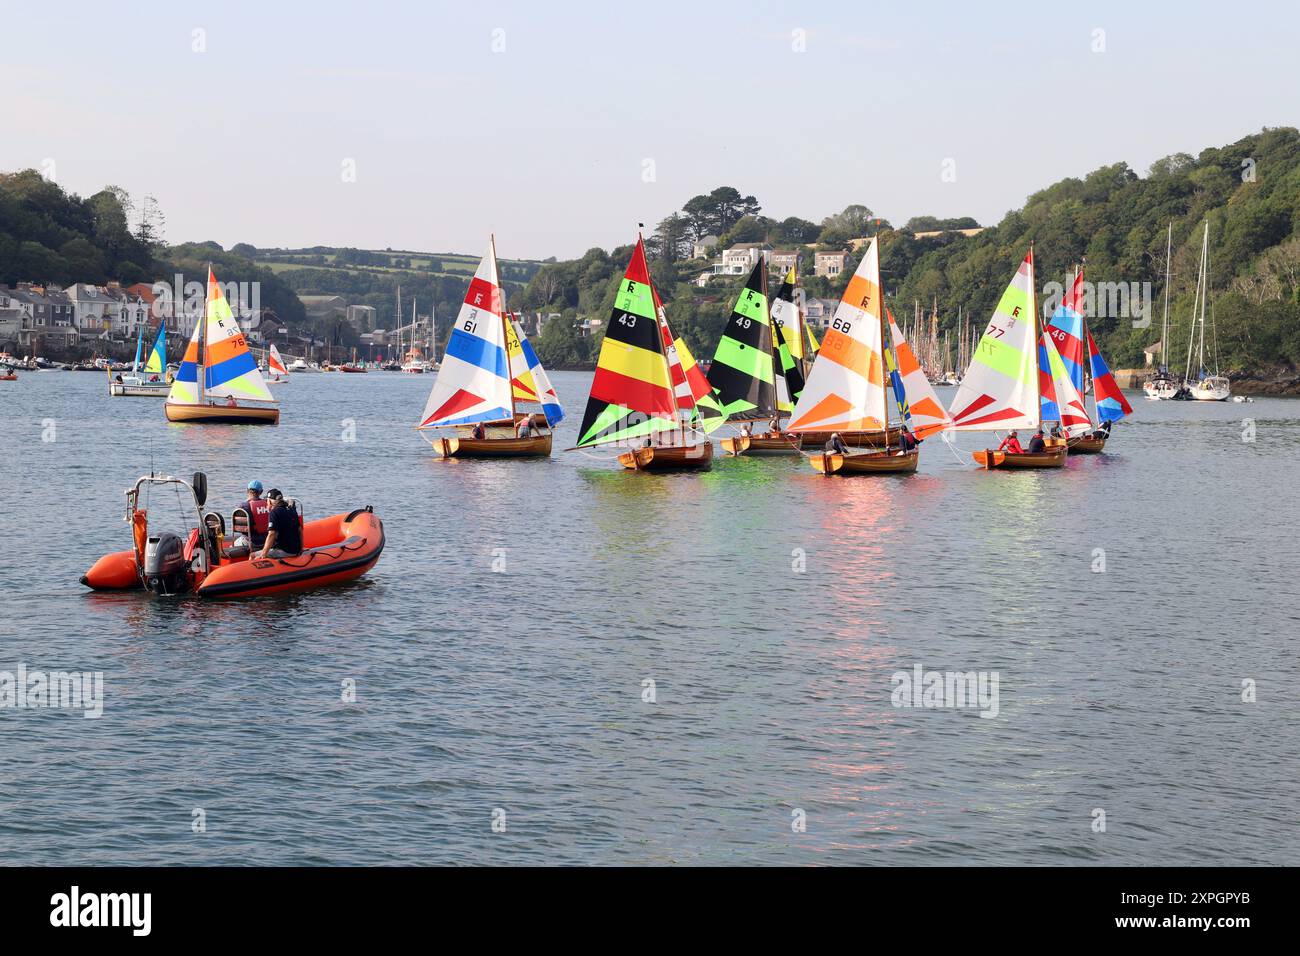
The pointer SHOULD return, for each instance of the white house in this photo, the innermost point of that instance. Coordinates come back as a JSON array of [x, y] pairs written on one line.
[[94, 310]]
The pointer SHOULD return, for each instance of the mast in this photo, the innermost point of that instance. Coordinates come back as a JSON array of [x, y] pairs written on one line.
[[880, 309], [1164, 321], [1038, 334], [505, 328], [433, 331], [203, 343]]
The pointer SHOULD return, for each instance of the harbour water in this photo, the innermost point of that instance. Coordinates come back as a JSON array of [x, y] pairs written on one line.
[[502, 650]]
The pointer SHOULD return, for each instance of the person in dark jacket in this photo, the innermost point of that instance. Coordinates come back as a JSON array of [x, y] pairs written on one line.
[[1036, 444], [284, 539], [836, 445]]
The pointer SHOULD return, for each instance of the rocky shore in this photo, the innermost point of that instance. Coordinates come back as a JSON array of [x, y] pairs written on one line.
[[1259, 380]]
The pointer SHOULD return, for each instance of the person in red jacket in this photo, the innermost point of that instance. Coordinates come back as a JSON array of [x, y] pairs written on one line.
[[259, 514], [1012, 444]]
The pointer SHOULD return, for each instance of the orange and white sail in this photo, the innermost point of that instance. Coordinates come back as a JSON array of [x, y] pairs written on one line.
[[845, 390], [275, 364], [219, 353], [922, 408]]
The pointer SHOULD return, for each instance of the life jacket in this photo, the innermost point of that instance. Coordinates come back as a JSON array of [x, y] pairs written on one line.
[[259, 514]]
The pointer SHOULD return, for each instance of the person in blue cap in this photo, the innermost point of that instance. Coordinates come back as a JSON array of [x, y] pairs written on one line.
[[259, 514]]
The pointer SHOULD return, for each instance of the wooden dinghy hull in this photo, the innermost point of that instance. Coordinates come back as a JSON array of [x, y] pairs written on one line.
[[866, 463], [876, 437], [1052, 458], [539, 446], [761, 445], [1087, 445], [222, 415], [669, 458]]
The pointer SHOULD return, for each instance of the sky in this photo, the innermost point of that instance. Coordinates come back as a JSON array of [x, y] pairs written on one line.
[[560, 126]]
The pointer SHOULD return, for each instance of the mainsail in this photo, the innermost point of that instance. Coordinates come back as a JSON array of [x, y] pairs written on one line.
[[1073, 340], [274, 363], [632, 393], [846, 387], [742, 373], [913, 391], [1000, 388], [219, 348], [156, 364], [1058, 398], [527, 377], [473, 384], [787, 336], [1111, 403]]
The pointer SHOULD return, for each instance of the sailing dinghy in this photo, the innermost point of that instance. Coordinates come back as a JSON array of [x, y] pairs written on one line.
[[1000, 389], [217, 371], [137, 385], [479, 382], [1073, 340], [647, 390], [275, 365], [846, 392]]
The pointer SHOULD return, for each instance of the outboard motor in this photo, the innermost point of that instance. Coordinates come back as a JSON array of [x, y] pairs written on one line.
[[164, 564]]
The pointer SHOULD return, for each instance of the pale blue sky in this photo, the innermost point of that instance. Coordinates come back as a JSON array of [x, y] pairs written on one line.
[[545, 141]]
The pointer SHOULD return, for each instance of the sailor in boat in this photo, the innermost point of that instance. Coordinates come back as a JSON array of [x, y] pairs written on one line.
[[479, 431], [259, 514], [1056, 431], [230, 402], [1011, 444], [774, 426], [746, 431], [1036, 444], [836, 445], [525, 427], [284, 536], [907, 441], [1102, 430]]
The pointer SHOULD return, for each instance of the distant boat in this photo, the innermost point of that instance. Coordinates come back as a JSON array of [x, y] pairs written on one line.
[[1163, 386], [1206, 387], [158, 381], [303, 366], [218, 371], [275, 365]]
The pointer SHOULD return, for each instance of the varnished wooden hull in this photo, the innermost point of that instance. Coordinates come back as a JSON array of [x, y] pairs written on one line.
[[865, 463], [761, 445], [222, 415], [1087, 445], [669, 458], [877, 437], [1052, 458], [539, 446]]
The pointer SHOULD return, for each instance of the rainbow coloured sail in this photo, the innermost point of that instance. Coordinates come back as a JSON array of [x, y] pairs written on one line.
[[912, 390], [632, 394], [527, 377], [473, 384], [742, 374], [218, 348], [1000, 388], [1058, 398], [845, 390]]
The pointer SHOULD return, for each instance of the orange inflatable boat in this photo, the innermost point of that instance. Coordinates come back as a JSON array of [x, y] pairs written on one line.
[[207, 563]]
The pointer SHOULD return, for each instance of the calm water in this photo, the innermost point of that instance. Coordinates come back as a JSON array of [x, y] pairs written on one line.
[[522, 690]]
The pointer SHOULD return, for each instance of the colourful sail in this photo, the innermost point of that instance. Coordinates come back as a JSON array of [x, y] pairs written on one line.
[[473, 384], [787, 334], [533, 381], [219, 347], [1111, 403], [846, 387], [156, 364], [1058, 398], [691, 388], [274, 363], [913, 391], [1000, 388], [742, 376], [632, 394]]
